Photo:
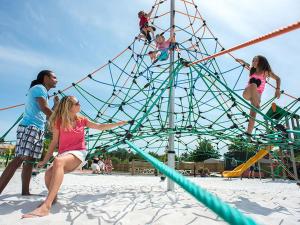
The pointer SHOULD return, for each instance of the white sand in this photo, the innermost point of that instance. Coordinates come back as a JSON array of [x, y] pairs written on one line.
[[111, 199]]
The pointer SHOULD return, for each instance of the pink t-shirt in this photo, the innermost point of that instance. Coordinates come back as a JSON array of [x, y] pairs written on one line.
[[164, 45], [72, 139]]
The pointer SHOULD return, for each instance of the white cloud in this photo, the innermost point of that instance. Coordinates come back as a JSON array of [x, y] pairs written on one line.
[[250, 18], [33, 59], [27, 58], [120, 20]]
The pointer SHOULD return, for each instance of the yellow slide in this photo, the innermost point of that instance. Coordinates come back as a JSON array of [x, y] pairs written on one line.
[[238, 171]]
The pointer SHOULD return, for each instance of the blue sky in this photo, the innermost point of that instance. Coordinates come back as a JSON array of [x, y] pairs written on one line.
[[73, 38]]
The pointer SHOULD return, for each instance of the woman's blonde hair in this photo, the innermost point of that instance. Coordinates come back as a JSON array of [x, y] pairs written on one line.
[[61, 114]]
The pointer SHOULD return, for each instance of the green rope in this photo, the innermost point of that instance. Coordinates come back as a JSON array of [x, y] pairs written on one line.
[[17, 121], [222, 209]]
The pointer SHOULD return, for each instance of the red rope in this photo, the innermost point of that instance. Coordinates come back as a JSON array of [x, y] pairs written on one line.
[[273, 34], [248, 43], [10, 107]]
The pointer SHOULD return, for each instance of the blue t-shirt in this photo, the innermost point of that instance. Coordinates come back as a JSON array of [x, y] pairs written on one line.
[[33, 114]]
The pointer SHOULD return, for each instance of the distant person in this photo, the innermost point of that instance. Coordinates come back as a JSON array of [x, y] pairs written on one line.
[[108, 165], [68, 134], [251, 172], [260, 71], [101, 164], [233, 162], [95, 166], [145, 29], [30, 132]]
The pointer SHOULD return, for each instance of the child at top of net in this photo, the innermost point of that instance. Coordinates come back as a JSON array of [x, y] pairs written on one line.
[[145, 29]]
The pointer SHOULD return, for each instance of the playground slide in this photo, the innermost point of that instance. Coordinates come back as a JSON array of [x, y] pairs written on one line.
[[237, 172]]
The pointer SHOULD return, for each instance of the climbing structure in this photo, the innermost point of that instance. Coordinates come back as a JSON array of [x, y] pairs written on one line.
[[207, 93], [207, 100]]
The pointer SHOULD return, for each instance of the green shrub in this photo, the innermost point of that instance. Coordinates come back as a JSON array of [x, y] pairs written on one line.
[[115, 160]]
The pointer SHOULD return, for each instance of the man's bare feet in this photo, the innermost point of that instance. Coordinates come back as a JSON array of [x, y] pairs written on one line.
[[43, 210]]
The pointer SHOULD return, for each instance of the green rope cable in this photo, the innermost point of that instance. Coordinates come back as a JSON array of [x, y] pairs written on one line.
[[222, 209], [17, 121], [280, 163]]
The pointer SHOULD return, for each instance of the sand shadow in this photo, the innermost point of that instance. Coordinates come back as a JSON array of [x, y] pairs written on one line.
[[13, 202], [281, 181], [80, 203], [97, 205], [248, 206]]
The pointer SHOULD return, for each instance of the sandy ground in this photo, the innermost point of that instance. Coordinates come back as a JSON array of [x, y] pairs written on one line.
[[122, 199]]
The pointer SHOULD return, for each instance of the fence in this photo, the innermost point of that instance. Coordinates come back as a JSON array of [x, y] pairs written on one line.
[[186, 168]]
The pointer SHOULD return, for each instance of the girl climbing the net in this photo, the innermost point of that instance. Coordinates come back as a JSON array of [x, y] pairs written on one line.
[[163, 47], [260, 71], [145, 29]]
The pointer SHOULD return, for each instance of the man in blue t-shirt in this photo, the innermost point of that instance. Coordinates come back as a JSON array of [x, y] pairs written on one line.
[[30, 132]]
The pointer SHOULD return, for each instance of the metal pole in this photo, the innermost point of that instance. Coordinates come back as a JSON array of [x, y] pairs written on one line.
[[297, 121], [271, 164], [292, 149], [283, 161], [270, 155], [259, 169], [171, 152]]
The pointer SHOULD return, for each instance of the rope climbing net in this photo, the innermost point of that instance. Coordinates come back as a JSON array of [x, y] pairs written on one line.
[[207, 83], [208, 102]]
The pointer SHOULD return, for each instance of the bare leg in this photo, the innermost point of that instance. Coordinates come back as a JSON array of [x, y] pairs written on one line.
[[9, 172], [147, 34], [61, 165], [48, 176], [152, 56], [254, 97], [247, 92], [26, 176], [152, 32], [140, 36], [251, 122]]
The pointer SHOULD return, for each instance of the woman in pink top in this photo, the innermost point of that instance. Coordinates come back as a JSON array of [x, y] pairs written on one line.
[[68, 134], [259, 72]]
